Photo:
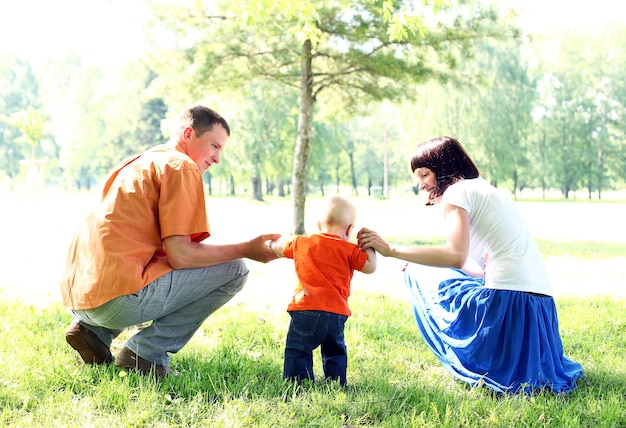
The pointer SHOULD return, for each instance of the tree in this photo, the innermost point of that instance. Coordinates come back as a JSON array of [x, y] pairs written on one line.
[[32, 123], [148, 131], [373, 139], [266, 126], [19, 89], [606, 107], [346, 51], [504, 99], [105, 117], [580, 102]]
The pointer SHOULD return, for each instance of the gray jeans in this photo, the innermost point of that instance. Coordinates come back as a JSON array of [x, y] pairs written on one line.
[[177, 304]]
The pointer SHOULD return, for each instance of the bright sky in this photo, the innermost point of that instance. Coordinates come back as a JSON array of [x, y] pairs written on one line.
[[105, 32], [547, 15], [109, 32]]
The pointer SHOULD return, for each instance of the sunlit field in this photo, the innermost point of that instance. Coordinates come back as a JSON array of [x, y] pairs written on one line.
[[36, 232], [230, 372]]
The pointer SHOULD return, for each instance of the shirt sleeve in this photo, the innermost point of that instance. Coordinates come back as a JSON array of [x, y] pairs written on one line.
[[182, 206], [457, 195], [358, 258], [288, 248]]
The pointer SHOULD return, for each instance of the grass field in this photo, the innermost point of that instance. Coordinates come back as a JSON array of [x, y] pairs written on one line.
[[230, 371]]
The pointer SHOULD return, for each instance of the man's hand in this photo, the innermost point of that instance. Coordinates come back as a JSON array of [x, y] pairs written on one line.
[[258, 250]]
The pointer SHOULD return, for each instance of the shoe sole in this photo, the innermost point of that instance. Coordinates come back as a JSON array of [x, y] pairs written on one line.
[[85, 351]]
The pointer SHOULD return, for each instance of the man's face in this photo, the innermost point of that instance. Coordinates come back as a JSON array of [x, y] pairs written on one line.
[[205, 150]]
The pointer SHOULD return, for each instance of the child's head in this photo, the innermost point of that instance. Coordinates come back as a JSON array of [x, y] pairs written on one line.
[[338, 217]]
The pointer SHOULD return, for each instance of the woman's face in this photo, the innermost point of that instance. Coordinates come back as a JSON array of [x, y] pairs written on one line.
[[427, 178], [428, 182]]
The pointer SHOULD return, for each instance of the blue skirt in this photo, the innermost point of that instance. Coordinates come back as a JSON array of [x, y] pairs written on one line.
[[506, 340]]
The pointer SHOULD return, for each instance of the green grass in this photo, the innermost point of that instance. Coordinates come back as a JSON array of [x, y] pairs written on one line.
[[586, 250], [230, 372], [230, 376]]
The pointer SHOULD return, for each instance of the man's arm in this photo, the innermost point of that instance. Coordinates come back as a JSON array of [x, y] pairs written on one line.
[[183, 253]]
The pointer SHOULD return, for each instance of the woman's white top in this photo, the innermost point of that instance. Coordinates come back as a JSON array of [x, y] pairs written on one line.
[[498, 230]]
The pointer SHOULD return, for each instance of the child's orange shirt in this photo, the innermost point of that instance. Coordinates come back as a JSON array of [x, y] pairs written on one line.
[[119, 248], [324, 265]]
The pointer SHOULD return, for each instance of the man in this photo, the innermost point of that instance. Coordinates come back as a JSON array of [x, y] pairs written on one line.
[[139, 255]]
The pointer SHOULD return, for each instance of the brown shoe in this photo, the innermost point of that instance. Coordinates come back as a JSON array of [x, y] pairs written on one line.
[[130, 360], [88, 345]]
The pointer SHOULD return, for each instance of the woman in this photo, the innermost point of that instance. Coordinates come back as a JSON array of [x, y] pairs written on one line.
[[482, 301]]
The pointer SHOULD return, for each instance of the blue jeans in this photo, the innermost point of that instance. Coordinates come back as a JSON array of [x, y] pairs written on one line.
[[307, 331], [177, 304]]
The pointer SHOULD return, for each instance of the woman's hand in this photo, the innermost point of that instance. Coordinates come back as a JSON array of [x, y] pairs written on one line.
[[369, 239]]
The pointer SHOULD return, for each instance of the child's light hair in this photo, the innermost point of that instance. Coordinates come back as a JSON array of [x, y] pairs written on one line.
[[339, 211]]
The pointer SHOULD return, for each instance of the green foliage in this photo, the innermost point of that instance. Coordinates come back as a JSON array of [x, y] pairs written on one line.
[[341, 51], [264, 139], [19, 91], [32, 124], [109, 119], [577, 109], [535, 112]]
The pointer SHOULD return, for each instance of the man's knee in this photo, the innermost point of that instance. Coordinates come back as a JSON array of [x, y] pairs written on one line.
[[239, 273]]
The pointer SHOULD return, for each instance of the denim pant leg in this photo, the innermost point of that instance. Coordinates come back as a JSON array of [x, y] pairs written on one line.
[[303, 336], [334, 350], [177, 304]]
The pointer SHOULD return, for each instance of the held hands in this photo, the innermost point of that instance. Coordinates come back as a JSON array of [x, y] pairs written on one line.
[[277, 247], [258, 250], [369, 239]]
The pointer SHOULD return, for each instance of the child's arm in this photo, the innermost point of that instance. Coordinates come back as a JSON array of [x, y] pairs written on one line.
[[370, 264]]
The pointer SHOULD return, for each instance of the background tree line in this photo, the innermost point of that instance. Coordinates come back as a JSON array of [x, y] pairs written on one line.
[[329, 95]]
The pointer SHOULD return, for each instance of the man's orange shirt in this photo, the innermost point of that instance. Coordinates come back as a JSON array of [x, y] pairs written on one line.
[[324, 265], [119, 248]]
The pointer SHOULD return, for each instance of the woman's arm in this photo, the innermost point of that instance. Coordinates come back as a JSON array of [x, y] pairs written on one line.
[[453, 254]]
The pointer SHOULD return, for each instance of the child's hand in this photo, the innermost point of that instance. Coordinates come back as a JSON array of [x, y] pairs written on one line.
[[277, 246]]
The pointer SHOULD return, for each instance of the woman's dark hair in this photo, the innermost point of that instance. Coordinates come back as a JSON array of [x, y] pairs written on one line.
[[447, 158]]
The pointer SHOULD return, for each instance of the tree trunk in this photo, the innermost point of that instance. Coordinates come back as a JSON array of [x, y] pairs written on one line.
[[385, 170], [257, 189], [281, 188], [337, 178], [600, 165], [303, 141], [355, 190], [209, 182], [269, 186]]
